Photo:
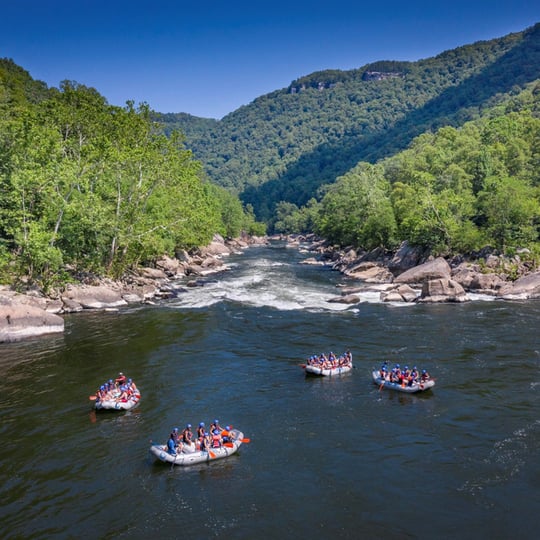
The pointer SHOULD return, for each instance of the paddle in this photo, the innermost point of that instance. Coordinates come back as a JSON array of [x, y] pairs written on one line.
[[231, 445], [212, 455]]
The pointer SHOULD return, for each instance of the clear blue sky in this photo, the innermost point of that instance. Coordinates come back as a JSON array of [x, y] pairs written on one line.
[[208, 58]]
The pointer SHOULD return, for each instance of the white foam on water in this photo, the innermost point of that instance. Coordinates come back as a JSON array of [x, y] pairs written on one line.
[[264, 282], [483, 297], [258, 291]]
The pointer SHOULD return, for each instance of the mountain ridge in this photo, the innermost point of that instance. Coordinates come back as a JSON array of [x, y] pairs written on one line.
[[286, 144]]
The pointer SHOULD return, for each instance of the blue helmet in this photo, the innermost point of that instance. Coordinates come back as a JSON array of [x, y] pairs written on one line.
[[201, 424], [175, 429], [216, 421], [188, 426]]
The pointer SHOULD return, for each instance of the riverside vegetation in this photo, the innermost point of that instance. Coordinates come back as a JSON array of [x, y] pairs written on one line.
[[90, 187]]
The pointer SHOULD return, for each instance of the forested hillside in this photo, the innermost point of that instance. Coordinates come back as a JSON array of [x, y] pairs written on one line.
[[455, 190], [86, 186], [287, 144]]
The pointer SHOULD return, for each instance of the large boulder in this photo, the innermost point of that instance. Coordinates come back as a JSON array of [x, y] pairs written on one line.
[[403, 293], [153, 274], [486, 283], [93, 296], [464, 274], [406, 257], [436, 269], [526, 287], [216, 247], [171, 267], [369, 272], [22, 320], [472, 278], [442, 290]]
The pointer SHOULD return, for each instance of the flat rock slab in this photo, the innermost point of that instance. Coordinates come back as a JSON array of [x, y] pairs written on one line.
[[20, 321]]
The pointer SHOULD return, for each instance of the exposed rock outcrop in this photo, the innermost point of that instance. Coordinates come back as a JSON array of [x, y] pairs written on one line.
[[369, 272], [442, 290], [94, 297], [403, 293], [464, 274], [526, 287], [436, 269], [406, 257], [19, 320], [23, 316]]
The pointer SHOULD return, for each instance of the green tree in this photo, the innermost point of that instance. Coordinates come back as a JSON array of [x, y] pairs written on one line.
[[357, 210], [512, 210]]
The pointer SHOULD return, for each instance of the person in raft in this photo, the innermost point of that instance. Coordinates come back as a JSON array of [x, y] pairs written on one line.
[[187, 435], [171, 445]]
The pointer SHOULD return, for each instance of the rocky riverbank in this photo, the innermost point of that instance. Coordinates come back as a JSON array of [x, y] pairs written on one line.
[[412, 275], [407, 275], [34, 314]]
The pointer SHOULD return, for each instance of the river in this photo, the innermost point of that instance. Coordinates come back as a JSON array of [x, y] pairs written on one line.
[[327, 457]]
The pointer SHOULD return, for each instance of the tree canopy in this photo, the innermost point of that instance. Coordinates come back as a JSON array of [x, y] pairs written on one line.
[[454, 190], [86, 185]]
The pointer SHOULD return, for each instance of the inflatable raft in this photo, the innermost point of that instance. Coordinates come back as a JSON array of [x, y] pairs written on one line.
[[192, 456], [118, 404], [415, 387], [316, 370]]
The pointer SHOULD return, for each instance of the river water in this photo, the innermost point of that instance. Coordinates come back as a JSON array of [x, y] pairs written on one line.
[[327, 457]]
